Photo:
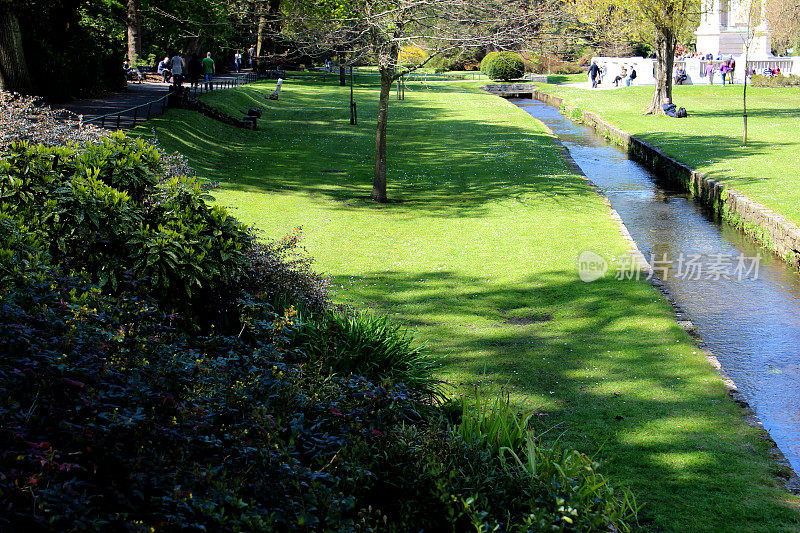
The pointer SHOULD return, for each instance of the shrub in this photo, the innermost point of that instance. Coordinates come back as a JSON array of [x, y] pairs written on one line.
[[27, 118], [351, 342], [503, 65], [80, 202], [775, 81], [283, 272]]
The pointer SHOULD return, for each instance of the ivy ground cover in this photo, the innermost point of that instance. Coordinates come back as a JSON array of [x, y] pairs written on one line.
[[478, 255]]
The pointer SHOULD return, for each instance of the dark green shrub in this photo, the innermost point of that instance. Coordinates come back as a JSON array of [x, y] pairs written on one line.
[[100, 210], [283, 271], [503, 65], [130, 165], [351, 342]]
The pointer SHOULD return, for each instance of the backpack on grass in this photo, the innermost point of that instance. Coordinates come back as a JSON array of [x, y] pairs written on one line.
[[681, 113]]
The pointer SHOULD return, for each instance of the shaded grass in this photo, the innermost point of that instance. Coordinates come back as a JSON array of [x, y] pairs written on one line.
[[710, 139], [491, 224]]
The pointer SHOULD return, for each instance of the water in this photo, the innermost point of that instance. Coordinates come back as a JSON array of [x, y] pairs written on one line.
[[751, 322]]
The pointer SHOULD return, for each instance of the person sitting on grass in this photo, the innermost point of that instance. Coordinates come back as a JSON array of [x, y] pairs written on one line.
[[671, 111]]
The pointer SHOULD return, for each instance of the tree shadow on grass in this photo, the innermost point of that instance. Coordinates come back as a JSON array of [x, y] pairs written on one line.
[[700, 151], [611, 374], [451, 166]]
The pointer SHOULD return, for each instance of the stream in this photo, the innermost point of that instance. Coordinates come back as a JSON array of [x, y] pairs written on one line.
[[747, 310]]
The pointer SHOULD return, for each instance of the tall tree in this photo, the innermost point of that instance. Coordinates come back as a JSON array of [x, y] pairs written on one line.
[[658, 22], [134, 32], [783, 20], [14, 74], [375, 30]]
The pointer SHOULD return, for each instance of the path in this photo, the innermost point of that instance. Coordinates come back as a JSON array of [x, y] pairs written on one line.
[[136, 94]]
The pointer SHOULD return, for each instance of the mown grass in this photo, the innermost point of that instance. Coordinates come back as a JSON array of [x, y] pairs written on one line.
[[479, 258], [710, 139]]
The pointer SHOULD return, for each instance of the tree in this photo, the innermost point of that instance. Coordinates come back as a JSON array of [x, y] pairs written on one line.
[[134, 32], [658, 22], [14, 74], [783, 20], [377, 30]]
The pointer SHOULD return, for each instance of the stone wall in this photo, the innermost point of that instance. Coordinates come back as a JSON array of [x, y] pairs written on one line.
[[765, 226]]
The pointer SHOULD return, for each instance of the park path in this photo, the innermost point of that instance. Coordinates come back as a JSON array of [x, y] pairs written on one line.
[[136, 94]]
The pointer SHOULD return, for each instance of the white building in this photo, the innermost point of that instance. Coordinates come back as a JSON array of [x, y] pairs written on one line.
[[724, 29]]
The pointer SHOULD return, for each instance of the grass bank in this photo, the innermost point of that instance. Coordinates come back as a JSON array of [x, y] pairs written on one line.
[[710, 139], [478, 257]]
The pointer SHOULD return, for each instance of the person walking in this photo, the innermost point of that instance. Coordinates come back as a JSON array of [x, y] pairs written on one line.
[[710, 72], [237, 60], [731, 68], [178, 66], [593, 72], [723, 71], [251, 54], [209, 69]]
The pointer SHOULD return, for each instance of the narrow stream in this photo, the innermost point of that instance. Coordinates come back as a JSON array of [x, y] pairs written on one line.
[[750, 320]]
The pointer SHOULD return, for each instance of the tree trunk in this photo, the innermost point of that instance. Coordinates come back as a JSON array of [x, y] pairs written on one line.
[[14, 75], [134, 33], [342, 78], [379, 180], [665, 58], [269, 25]]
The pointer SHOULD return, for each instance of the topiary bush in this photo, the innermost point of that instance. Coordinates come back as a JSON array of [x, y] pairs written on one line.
[[503, 65]]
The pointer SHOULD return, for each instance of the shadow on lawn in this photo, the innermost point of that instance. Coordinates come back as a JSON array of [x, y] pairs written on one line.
[[606, 385], [699, 151], [451, 166], [752, 113]]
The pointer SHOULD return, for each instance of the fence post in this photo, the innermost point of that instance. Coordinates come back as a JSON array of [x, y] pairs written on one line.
[[119, 118], [135, 115], [103, 122], [149, 106]]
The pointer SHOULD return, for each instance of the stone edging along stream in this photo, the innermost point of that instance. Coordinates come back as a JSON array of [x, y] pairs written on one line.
[[763, 225], [785, 471]]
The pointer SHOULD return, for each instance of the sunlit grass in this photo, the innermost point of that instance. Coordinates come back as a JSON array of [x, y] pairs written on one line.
[[710, 139], [489, 228]]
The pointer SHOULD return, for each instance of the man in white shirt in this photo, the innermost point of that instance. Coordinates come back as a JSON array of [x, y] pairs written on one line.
[[177, 70]]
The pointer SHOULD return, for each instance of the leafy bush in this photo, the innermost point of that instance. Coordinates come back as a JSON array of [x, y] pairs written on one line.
[[503, 65], [775, 81], [282, 271], [100, 211]]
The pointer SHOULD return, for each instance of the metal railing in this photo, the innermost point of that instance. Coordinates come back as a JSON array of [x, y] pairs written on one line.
[[227, 83], [160, 105]]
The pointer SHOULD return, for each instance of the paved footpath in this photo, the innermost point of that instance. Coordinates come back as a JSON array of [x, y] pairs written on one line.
[[136, 94]]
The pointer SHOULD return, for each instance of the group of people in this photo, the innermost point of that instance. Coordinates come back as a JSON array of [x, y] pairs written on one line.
[[625, 75], [725, 68], [177, 70]]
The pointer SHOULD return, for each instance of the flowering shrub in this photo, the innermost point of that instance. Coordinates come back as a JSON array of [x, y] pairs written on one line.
[[24, 118], [775, 81]]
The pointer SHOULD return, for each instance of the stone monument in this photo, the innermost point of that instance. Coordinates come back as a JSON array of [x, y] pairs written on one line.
[[723, 28]]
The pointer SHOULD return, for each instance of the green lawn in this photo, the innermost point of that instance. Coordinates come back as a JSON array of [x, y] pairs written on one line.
[[710, 139], [488, 227]]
